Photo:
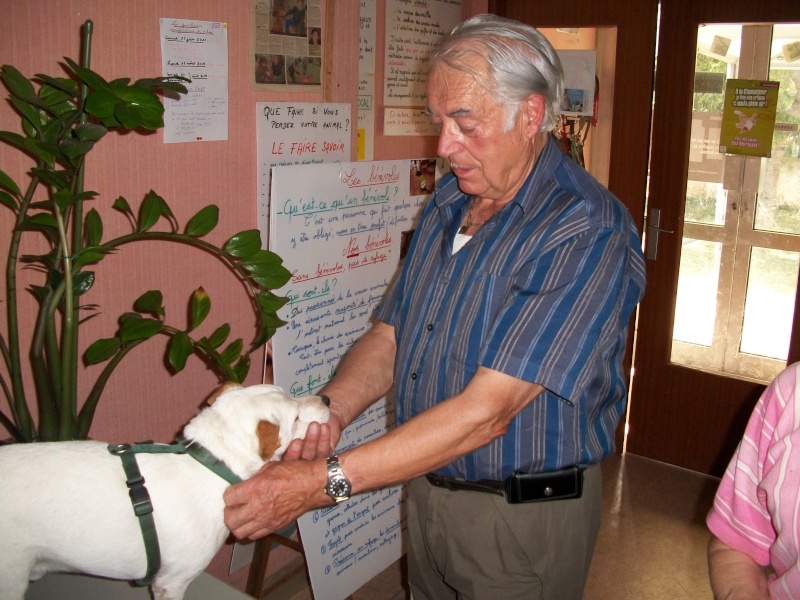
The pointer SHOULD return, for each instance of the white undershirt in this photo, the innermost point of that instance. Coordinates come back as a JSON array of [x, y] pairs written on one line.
[[459, 241]]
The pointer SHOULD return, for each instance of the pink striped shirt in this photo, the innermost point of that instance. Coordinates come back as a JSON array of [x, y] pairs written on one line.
[[757, 507]]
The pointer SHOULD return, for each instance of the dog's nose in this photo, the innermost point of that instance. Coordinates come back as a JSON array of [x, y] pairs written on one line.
[[325, 400]]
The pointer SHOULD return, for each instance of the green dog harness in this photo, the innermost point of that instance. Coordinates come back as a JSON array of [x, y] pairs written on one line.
[[140, 497]]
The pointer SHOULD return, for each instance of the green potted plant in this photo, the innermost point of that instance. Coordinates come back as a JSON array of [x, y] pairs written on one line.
[[63, 119]]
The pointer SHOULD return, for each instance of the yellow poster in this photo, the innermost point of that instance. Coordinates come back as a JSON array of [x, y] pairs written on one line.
[[748, 119]]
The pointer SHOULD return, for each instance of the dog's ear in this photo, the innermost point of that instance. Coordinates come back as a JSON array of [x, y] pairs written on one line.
[[269, 439], [225, 387]]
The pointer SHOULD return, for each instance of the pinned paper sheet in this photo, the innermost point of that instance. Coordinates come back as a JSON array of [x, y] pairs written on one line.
[[196, 50]]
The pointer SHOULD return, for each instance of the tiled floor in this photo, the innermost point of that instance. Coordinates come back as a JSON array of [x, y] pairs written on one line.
[[652, 542]]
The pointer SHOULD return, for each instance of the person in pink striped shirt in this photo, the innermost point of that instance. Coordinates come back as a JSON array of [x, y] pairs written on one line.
[[755, 520]]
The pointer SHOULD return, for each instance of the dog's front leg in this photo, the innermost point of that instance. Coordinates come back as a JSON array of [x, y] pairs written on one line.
[[174, 590]]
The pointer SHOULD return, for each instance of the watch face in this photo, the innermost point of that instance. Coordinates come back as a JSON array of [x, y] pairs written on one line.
[[339, 487]]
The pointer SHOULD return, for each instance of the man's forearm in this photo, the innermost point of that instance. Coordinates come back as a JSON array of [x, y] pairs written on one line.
[[363, 375], [734, 575]]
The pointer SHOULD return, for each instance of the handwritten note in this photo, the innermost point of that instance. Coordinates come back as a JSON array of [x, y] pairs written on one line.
[[366, 80], [413, 30], [340, 229], [197, 50], [408, 121], [297, 133]]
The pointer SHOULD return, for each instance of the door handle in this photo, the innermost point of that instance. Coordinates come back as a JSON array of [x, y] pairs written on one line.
[[654, 229]]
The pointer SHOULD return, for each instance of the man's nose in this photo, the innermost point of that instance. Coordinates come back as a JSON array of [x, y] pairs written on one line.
[[448, 140]]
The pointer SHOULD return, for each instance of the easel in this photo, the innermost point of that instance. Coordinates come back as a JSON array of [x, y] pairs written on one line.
[[258, 568]]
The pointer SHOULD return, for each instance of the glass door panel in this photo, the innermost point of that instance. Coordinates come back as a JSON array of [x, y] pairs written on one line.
[[741, 239]]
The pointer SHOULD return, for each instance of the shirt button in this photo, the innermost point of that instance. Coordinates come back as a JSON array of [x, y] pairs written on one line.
[[430, 326], [413, 376]]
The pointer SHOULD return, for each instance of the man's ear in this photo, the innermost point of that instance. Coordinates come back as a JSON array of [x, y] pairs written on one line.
[[533, 111], [269, 439]]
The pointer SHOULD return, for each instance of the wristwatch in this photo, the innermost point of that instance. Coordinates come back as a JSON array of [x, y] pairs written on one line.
[[338, 486]]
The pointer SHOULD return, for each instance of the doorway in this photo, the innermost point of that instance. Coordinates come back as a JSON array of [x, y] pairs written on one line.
[[717, 320], [721, 227]]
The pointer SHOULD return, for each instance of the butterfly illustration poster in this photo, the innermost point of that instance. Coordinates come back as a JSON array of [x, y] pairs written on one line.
[[748, 118]]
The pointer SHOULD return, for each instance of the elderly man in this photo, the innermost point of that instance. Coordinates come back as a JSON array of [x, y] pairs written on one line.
[[503, 336]]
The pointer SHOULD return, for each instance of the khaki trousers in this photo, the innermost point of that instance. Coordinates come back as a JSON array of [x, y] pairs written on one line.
[[475, 546]]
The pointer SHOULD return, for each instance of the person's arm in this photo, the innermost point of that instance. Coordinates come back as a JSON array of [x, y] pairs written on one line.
[[363, 375], [734, 575], [282, 491]]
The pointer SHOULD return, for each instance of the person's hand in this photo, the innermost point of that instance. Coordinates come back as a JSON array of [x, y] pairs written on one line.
[[274, 497], [319, 442]]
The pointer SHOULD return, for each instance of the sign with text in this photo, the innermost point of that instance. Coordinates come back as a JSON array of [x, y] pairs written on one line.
[[297, 133], [196, 50], [413, 30], [341, 230], [748, 117]]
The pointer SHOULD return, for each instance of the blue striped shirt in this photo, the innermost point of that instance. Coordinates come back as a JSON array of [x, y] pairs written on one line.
[[543, 292]]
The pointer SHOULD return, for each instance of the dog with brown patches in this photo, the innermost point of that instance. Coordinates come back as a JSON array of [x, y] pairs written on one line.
[[65, 506]]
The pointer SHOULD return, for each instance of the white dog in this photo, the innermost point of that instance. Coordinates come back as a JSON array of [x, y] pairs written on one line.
[[64, 506]]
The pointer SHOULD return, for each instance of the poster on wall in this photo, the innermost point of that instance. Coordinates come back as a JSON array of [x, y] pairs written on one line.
[[413, 30], [748, 117], [579, 67], [198, 51], [366, 80], [297, 133], [342, 230], [286, 41]]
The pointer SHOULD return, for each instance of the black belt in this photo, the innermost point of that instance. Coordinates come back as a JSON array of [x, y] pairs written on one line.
[[521, 487], [453, 484]]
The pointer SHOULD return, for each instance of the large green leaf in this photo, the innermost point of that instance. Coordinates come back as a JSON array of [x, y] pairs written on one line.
[[200, 306], [271, 319], [90, 255], [8, 200], [244, 244], [121, 204], [266, 269], [101, 104], [33, 115], [88, 76], [219, 336], [38, 222], [139, 107], [179, 350], [203, 222], [90, 131], [271, 302], [57, 101], [52, 178], [65, 85], [133, 329], [149, 211], [74, 149], [8, 183], [102, 350], [151, 301], [93, 227], [233, 351], [241, 368], [82, 282], [16, 82]]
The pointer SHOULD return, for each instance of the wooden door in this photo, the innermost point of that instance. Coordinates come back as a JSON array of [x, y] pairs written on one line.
[[683, 411]]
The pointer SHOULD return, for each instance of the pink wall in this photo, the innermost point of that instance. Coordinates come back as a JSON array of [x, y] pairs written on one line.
[[142, 401]]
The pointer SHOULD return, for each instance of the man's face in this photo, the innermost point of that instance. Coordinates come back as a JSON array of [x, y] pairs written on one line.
[[488, 161]]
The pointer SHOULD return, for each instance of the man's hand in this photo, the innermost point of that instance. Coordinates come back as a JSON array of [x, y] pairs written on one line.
[[274, 497], [319, 442]]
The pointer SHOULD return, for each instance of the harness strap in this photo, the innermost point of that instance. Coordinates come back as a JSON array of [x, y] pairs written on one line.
[[142, 507], [140, 497]]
